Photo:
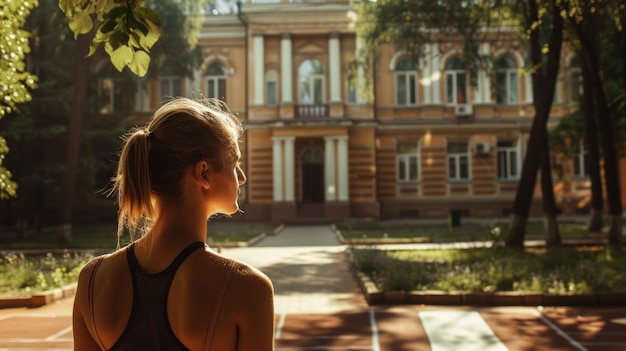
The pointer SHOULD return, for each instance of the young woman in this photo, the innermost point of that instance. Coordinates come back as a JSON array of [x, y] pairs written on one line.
[[167, 290]]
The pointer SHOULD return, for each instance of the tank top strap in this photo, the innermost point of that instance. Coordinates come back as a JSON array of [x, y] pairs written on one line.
[[171, 268], [217, 304], [90, 288]]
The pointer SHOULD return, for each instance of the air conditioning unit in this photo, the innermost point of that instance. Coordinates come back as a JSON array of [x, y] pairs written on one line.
[[463, 110], [482, 148]]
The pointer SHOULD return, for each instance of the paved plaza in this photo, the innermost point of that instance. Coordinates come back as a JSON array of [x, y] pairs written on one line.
[[319, 307]]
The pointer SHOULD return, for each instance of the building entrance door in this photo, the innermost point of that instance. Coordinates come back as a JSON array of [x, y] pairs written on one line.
[[312, 176]]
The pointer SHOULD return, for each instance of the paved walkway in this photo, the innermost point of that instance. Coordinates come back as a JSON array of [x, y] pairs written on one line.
[[309, 269]]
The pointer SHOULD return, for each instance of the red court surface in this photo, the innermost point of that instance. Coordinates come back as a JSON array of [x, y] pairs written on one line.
[[393, 328]]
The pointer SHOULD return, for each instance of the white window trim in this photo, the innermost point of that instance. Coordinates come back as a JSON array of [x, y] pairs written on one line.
[[508, 85], [454, 74], [580, 155], [407, 76], [310, 81], [214, 80], [457, 162], [508, 150], [170, 81], [407, 161]]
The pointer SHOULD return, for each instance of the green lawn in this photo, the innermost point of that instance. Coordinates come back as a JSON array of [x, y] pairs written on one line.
[[442, 231], [567, 270]]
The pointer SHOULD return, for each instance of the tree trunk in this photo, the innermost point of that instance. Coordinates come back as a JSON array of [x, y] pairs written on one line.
[[606, 128], [72, 148], [543, 94], [591, 136], [553, 238]]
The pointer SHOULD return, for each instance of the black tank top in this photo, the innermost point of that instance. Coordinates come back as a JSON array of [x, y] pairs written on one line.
[[148, 327]]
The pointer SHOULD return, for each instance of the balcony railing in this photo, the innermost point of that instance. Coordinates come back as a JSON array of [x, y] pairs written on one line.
[[311, 111]]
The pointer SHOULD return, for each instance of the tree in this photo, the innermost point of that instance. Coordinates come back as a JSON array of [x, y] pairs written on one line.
[[15, 80], [544, 72], [126, 29], [591, 22]]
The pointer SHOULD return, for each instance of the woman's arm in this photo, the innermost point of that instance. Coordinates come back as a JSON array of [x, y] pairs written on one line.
[[256, 328], [83, 341]]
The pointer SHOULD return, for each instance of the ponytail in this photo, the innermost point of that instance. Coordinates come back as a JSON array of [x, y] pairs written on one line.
[[132, 183]]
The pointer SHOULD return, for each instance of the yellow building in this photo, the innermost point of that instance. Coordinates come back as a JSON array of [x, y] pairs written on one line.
[[425, 143]]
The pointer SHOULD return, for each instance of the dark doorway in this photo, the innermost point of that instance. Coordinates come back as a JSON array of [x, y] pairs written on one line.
[[312, 176]]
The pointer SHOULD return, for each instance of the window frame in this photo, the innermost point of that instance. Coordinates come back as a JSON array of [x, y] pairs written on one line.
[[457, 161], [214, 80], [406, 158], [171, 84], [505, 95], [409, 77], [452, 77], [111, 98], [580, 162], [512, 156]]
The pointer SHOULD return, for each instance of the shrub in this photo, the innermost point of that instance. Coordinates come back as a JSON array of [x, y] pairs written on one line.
[[21, 274]]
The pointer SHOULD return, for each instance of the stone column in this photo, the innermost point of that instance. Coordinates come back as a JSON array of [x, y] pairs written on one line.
[[342, 168], [329, 169], [259, 69], [436, 75], [427, 75], [289, 169], [334, 68], [286, 69], [484, 83], [277, 164]]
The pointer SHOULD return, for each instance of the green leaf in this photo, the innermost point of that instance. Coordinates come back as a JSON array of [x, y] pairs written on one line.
[[140, 63], [81, 23], [121, 57], [93, 47]]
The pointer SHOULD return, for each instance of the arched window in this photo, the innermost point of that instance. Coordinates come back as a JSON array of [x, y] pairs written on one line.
[[456, 82], [311, 78], [271, 88], [406, 83], [507, 80], [216, 81]]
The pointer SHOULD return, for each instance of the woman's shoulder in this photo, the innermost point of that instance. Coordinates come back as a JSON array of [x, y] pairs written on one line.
[[239, 272]]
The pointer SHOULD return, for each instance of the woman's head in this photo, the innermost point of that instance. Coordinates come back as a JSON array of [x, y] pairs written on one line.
[[155, 158]]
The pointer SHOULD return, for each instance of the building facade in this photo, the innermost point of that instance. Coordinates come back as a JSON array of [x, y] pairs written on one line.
[[422, 143]]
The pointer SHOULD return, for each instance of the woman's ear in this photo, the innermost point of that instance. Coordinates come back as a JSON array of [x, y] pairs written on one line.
[[202, 173]]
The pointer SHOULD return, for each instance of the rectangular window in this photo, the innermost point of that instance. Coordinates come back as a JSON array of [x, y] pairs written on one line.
[[272, 94], [508, 160], [408, 162], [216, 88], [169, 87], [351, 94], [458, 161], [142, 96], [581, 162], [109, 96], [406, 89]]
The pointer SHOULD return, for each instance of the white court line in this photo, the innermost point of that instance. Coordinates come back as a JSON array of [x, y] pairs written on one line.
[[58, 334], [566, 336], [324, 348], [34, 315], [449, 330], [375, 340], [279, 328]]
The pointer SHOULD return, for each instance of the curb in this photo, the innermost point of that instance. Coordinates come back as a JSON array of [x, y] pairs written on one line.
[[40, 298]]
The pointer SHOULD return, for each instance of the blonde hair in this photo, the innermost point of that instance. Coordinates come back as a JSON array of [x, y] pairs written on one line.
[[155, 157]]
